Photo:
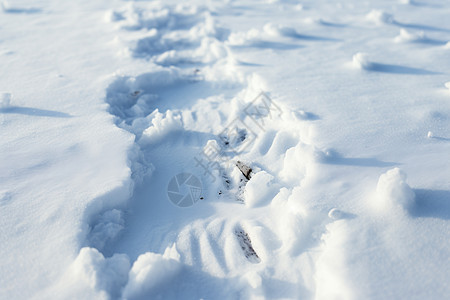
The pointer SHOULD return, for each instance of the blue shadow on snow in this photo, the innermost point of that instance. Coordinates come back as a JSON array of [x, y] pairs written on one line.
[[34, 112], [432, 204], [396, 69], [358, 162]]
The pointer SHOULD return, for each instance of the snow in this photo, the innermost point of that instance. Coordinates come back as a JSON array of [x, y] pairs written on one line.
[[151, 273], [161, 126], [379, 17], [406, 36], [107, 228], [259, 190], [361, 60], [100, 273], [110, 110], [393, 190], [5, 100]]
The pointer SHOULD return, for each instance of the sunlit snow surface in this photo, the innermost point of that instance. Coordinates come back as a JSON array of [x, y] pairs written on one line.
[[224, 149]]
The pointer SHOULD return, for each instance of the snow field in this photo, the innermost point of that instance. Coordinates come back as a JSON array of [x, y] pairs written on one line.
[[325, 213]]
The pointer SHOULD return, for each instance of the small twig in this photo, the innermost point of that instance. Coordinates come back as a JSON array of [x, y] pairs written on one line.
[[246, 170]]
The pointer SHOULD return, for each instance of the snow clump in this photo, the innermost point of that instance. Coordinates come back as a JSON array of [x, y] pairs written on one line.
[[447, 85], [361, 61], [105, 275], [393, 191], [162, 124], [151, 273], [380, 17], [280, 30], [260, 189], [406, 36]]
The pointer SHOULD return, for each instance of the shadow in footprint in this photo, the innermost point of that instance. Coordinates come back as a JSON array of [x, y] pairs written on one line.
[[432, 204], [34, 112], [283, 289], [135, 97], [397, 69], [150, 46]]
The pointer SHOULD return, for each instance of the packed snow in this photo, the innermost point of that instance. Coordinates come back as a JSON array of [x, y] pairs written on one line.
[[279, 149]]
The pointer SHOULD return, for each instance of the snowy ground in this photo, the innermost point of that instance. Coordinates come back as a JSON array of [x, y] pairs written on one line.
[[122, 123]]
